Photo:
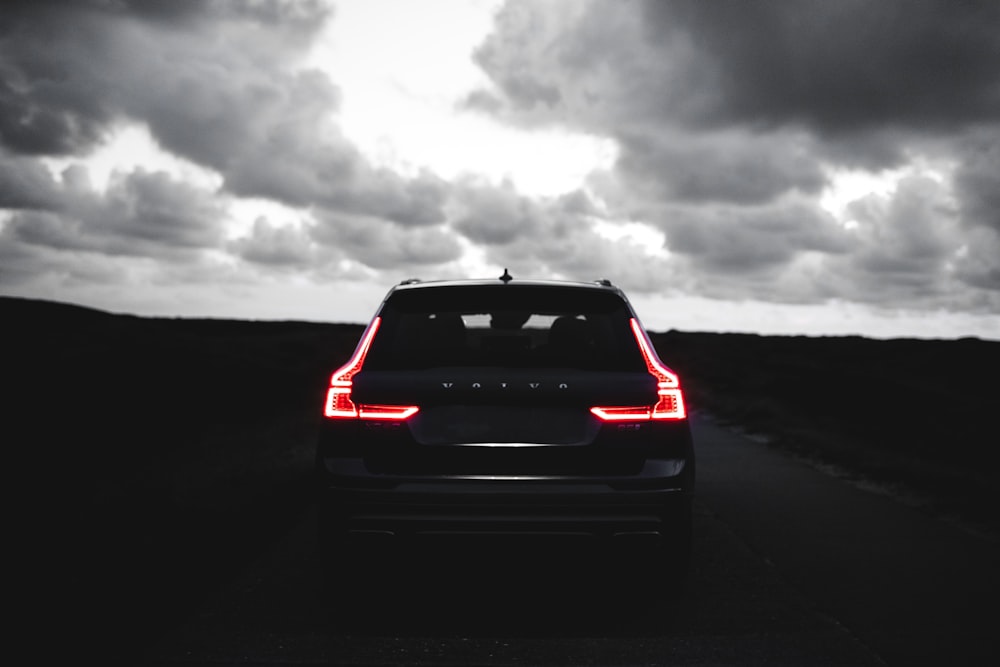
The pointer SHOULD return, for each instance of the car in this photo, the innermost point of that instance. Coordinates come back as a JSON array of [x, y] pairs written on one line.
[[506, 407]]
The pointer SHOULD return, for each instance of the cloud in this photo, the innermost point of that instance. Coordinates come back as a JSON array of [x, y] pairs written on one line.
[[623, 71], [556, 237], [286, 246], [844, 66], [61, 99], [831, 67], [743, 168], [494, 215], [25, 184], [912, 251], [220, 84], [978, 265], [731, 119], [978, 181], [913, 232], [841, 83], [19, 263], [383, 245], [143, 214], [739, 240], [731, 123], [295, 164]]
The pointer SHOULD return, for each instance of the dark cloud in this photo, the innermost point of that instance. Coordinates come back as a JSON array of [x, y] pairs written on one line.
[[722, 167], [620, 72], [156, 208], [860, 82], [741, 240], [382, 245], [843, 65], [913, 233], [144, 228], [221, 86], [977, 181], [142, 214], [286, 246], [291, 164], [71, 70], [218, 83], [585, 254], [978, 263], [168, 11], [906, 249], [835, 67], [732, 118], [223, 110], [29, 264], [19, 263], [909, 251], [36, 127], [26, 184], [492, 215], [61, 69], [553, 237]]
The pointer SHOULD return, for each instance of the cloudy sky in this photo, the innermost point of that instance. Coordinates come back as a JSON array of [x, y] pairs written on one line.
[[776, 167]]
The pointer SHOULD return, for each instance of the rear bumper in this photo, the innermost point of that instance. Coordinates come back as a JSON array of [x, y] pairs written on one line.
[[651, 503]]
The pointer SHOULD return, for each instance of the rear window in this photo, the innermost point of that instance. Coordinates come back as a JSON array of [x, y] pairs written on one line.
[[505, 326]]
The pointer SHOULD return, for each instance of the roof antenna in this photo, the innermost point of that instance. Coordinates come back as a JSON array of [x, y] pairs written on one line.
[[506, 277]]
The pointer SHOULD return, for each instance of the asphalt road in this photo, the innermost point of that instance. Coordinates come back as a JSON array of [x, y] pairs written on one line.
[[793, 567]]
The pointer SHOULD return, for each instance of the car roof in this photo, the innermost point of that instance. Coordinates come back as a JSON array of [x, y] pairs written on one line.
[[414, 286], [414, 283]]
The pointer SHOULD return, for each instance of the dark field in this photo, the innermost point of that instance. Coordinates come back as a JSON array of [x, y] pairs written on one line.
[[150, 457], [914, 418]]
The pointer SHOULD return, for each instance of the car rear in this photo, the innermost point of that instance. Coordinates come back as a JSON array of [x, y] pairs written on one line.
[[505, 408]]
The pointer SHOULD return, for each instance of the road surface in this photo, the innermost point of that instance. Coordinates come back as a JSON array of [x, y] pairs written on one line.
[[793, 567]]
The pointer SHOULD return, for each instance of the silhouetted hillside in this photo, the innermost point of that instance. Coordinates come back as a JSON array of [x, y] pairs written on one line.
[[153, 454], [918, 414], [156, 394]]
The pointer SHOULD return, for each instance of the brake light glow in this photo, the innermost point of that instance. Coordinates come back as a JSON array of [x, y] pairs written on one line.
[[387, 411], [338, 397], [670, 401]]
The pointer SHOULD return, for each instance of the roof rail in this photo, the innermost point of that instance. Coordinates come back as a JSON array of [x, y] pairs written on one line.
[[410, 281]]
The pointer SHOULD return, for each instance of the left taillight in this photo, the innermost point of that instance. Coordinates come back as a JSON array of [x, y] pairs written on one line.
[[339, 404], [669, 399]]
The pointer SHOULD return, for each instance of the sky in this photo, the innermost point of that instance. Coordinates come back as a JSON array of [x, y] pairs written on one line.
[[809, 167]]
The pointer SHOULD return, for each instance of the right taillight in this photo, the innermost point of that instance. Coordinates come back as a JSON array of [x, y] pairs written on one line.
[[669, 399], [338, 397]]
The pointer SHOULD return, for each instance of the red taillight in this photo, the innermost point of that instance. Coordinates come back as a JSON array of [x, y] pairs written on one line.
[[387, 411], [338, 397], [670, 400]]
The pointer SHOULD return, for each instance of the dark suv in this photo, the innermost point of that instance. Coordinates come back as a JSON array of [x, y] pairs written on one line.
[[504, 408]]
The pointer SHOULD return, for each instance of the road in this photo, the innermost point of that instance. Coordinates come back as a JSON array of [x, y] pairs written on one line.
[[793, 567]]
